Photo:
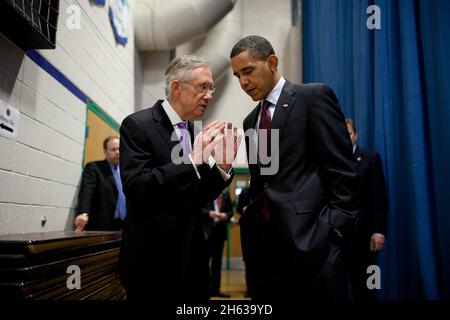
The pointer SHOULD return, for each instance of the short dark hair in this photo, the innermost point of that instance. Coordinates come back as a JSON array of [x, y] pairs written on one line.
[[351, 123], [107, 140], [257, 46]]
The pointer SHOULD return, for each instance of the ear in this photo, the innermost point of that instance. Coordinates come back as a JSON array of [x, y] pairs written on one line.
[[175, 86], [272, 62]]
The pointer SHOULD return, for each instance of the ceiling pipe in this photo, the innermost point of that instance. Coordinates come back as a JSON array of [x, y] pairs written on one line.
[[218, 43], [166, 24]]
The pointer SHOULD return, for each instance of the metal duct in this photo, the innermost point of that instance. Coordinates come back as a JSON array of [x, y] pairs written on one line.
[[217, 44], [166, 24]]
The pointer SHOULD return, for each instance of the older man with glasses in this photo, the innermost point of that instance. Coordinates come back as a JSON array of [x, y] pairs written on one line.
[[167, 177]]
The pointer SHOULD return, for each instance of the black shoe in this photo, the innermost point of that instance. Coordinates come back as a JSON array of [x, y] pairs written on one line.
[[220, 294]]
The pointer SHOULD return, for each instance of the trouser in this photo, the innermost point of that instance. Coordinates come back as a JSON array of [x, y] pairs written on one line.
[[280, 271]]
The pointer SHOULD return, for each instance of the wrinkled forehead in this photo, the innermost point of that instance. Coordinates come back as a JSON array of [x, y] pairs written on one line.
[[201, 75]]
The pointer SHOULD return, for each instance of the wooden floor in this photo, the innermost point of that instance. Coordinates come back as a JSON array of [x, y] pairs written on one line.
[[233, 283]]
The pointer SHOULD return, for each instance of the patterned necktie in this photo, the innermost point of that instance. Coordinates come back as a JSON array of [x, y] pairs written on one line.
[[184, 138], [121, 209], [265, 123]]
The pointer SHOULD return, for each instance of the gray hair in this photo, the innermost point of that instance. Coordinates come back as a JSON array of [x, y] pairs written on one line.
[[181, 68], [257, 46]]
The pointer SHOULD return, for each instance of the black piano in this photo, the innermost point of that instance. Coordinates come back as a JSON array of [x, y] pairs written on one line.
[[62, 265]]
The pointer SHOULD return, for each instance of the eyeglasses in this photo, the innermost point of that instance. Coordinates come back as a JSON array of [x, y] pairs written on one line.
[[202, 88]]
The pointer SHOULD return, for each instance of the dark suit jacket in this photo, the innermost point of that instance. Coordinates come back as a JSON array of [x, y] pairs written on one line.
[[243, 200], [164, 202], [315, 187], [372, 216], [98, 196], [218, 228]]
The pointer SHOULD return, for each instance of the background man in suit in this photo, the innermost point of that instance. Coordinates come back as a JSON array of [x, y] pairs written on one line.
[[164, 249], [101, 202], [367, 236], [291, 231], [243, 200], [217, 215]]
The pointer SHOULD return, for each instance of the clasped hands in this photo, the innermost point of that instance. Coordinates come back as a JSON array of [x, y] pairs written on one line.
[[219, 140]]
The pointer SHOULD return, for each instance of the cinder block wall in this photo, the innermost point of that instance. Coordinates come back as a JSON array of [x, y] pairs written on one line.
[[40, 172]]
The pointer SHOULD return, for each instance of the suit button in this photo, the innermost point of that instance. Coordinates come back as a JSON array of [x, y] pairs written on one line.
[[266, 185]]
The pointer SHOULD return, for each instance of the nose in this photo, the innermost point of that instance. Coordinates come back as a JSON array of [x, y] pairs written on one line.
[[243, 81], [208, 95]]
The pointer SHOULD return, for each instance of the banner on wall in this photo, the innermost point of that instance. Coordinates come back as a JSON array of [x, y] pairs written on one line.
[[119, 13]]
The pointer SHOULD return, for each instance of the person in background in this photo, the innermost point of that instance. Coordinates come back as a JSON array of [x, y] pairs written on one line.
[[303, 185], [368, 235], [101, 201], [217, 214], [243, 200]]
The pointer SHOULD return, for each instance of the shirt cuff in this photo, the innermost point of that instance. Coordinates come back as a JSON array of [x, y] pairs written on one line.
[[211, 162], [195, 167], [225, 175]]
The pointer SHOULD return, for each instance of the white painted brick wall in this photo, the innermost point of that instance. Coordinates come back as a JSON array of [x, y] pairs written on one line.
[[17, 221], [6, 154], [24, 189], [22, 159], [40, 172], [4, 215], [6, 183], [11, 86], [27, 218]]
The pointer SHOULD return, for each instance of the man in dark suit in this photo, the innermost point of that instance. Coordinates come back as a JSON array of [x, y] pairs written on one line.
[[167, 180], [243, 200], [367, 236], [303, 194], [217, 215], [101, 202]]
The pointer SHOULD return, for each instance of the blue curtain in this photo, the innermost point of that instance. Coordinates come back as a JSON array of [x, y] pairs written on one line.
[[395, 83]]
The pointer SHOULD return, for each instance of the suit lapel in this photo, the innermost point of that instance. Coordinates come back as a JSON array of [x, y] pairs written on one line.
[[282, 110], [253, 117], [359, 157], [283, 107], [108, 171], [252, 140], [192, 132], [165, 128]]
